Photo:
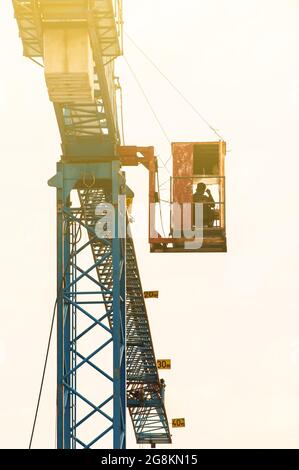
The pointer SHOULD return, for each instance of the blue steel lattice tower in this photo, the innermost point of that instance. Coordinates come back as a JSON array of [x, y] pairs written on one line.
[[105, 355]]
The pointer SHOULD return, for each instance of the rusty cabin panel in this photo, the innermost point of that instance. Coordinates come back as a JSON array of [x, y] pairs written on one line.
[[182, 155]]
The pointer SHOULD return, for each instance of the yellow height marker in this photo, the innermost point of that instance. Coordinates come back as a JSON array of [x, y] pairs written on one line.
[[178, 423], [151, 294], [164, 363]]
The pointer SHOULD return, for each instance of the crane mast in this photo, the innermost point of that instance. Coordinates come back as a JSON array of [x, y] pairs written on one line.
[[105, 355]]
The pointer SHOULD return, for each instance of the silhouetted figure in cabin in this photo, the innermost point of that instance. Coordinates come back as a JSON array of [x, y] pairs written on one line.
[[208, 204]]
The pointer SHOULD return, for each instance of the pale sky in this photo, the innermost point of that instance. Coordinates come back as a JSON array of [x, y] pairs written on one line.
[[229, 322]]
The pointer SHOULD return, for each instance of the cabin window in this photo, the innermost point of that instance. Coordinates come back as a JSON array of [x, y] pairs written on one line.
[[206, 160]]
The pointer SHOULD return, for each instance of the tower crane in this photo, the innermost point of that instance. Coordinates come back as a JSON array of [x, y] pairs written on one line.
[[105, 354]]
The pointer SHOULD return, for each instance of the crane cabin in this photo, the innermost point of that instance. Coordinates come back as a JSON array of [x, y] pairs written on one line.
[[197, 200]]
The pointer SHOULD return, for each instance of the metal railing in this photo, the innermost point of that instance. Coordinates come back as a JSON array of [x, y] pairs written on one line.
[[183, 192]]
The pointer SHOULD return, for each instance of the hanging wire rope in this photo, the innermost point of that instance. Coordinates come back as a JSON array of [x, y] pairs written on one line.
[[163, 168], [151, 108], [164, 182], [120, 105], [187, 101], [55, 435], [122, 115], [162, 129], [160, 206], [36, 62], [43, 375], [47, 353]]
